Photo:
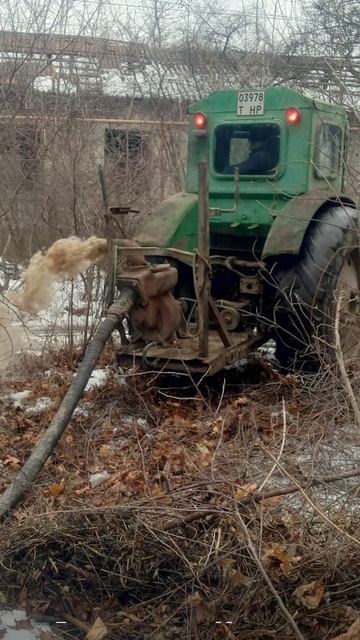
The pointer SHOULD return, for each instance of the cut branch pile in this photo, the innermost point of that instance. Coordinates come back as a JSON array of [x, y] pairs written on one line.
[[234, 514]]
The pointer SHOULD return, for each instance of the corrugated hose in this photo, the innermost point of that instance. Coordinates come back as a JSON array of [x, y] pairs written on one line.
[[32, 467]]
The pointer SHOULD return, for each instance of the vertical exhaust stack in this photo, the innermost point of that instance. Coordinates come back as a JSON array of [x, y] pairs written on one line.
[[204, 261]]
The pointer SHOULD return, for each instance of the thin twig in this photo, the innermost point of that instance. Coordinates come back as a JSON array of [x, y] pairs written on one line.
[[341, 363], [314, 506], [287, 615], [260, 489], [258, 497], [221, 397]]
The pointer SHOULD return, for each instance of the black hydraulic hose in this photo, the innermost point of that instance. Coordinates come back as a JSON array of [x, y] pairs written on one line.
[[32, 467]]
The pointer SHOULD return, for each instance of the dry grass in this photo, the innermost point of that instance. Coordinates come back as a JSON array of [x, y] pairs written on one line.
[[160, 549]]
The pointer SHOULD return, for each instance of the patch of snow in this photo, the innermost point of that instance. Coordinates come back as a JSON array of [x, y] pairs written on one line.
[[141, 422], [97, 379], [133, 420], [19, 615], [80, 410], [267, 349], [41, 405], [7, 619], [96, 479], [17, 398], [8, 623], [18, 634]]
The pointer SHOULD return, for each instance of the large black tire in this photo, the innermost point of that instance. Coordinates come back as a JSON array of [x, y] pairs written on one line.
[[305, 300]]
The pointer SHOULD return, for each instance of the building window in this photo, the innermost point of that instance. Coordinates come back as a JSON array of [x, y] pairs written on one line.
[[327, 154], [27, 141], [124, 147], [22, 144]]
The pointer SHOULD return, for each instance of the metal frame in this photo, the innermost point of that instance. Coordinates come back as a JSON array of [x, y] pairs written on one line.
[[212, 349]]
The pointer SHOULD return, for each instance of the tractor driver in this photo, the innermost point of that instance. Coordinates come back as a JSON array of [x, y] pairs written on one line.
[[263, 153]]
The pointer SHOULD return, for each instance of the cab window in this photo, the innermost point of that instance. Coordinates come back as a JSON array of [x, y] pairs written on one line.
[[327, 153], [250, 148]]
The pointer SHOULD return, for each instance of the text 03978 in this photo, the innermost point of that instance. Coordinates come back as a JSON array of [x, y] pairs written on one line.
[[250, 103]]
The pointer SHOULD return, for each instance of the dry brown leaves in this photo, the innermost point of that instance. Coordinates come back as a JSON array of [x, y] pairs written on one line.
[[170, 455], [201, 608], [310, 595], [98, 630], [353, 632], [279, 558], [233, 575]]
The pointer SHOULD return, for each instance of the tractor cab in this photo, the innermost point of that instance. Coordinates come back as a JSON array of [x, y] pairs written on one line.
[[304, 140], [265, 149], [276, 143]]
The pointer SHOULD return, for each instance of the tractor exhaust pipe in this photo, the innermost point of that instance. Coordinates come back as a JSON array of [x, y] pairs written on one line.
[[32, 467]]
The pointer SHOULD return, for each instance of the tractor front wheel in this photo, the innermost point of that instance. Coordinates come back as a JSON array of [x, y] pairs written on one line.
[[319, 292]]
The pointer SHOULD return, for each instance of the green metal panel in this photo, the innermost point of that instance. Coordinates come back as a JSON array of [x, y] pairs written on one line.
[[289, 227], [252, 218], [173, 225]]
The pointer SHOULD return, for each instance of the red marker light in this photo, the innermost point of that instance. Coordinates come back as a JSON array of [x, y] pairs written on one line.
[[200, 121], [293, 115]]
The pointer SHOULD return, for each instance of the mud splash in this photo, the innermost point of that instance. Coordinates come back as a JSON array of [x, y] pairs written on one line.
[[65, 259]]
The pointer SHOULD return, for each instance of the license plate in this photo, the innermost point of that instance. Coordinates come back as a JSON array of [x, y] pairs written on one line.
[[250, 103]]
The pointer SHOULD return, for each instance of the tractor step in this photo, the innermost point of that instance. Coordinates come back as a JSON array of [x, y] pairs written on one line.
[[184, 355]]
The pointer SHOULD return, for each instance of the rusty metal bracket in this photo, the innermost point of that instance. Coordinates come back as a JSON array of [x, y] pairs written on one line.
[[251, 285], [220, 324], [187, 257]]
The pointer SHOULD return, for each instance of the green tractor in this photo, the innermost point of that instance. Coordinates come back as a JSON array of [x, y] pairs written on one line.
[[262, 244]]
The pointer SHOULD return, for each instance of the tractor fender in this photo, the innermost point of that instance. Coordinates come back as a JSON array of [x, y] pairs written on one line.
[[289, 227], [161, 226]]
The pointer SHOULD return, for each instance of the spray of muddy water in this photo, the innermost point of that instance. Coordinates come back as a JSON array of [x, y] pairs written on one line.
[[65, 259]]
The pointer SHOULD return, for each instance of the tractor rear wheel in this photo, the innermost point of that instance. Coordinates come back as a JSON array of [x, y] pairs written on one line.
[[323, 283]]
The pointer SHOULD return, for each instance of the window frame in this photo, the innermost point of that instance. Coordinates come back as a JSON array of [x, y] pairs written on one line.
[[273, 175], [22, 143], [332, 172], [112, 154]]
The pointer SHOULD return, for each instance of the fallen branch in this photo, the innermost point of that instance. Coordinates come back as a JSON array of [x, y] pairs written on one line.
[[258, 497], [313, 505]]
